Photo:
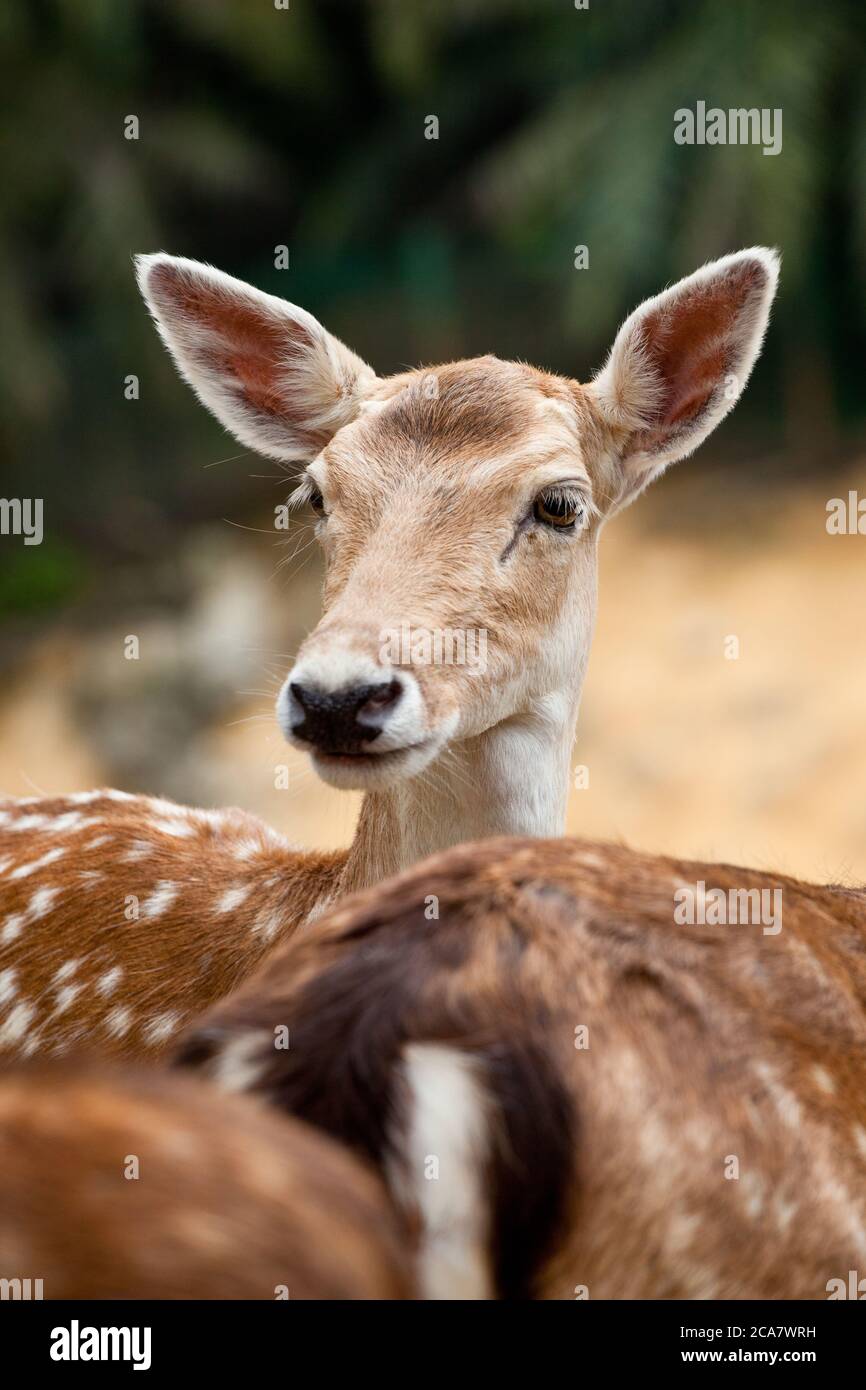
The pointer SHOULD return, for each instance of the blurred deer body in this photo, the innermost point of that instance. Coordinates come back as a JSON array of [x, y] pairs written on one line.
[[463, 501], [570, 1093], [129, 1185]]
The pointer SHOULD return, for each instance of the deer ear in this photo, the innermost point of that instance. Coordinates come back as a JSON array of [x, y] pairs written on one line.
[[267, 370], [681, 360]]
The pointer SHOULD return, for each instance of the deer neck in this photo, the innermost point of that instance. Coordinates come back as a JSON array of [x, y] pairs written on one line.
[[511, 780]]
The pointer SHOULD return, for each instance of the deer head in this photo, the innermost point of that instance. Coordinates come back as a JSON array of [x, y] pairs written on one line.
[[458, 506]]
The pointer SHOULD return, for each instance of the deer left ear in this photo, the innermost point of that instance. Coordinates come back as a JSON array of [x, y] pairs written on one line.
[[681, 361]]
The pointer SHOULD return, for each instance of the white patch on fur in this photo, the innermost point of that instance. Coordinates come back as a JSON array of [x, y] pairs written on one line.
[[16, 1025], [41, 902], [67, 969], [448, 1121], [8, 987], [50, 857], [239, 1064], [160, 1028], [24, 824], [97, 841], [107, 983], [140, 849], [823, 1080], [180, 829], [268, 924], [160, 900], [38, 906], [117, 1022], [247, 847], [71, 820], [64, 998], [232, 898], [12, 927]]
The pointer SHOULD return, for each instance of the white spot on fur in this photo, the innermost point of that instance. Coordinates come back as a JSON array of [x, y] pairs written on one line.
[[823, 1080], [268, 924], [107, 983], [787, 1105], [448, 1121], [160, 900], [50, 857], [12, 927], [140, 849], [752, 1192], [23, 824], [41, 902], [8, 987], [69, 968], [97, 841], [65, 997], [240, 1063], [232, 898], [71, 820], [117, 1022], [180, 829], [160, 1028], [246, 848], [784, 1211], [16, 1025]]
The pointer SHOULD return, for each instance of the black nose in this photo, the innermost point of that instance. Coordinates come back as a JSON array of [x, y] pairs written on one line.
[[343, 721]]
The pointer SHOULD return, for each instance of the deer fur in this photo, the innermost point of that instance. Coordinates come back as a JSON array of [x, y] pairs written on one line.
[[430, 482], [705, 1137], [228, 1201]]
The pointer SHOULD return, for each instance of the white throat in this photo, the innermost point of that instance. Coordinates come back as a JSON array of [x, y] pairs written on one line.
[[511, 780]]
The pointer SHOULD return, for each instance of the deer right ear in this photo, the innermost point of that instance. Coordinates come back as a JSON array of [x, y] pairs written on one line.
[[268, 371], [681, 361]]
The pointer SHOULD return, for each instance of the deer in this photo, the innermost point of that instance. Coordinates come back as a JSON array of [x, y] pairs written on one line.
[[462, 499], [129, 1183], [574, 1081]]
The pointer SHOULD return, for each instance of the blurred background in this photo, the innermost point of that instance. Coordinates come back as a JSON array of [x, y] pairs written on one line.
[[304, 127]]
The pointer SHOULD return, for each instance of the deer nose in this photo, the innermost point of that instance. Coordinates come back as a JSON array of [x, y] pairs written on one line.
[[342, 721]]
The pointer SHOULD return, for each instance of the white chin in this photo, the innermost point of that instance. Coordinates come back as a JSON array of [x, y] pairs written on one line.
[[371, 771]]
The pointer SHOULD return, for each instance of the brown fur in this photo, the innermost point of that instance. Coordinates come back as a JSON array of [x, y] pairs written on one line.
[[230, 1201], [705, 1042]]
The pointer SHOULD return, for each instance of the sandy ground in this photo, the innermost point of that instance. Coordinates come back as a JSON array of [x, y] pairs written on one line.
[[759, 759]]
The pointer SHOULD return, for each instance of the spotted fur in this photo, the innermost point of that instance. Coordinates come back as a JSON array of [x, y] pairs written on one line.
[[600, 1167]]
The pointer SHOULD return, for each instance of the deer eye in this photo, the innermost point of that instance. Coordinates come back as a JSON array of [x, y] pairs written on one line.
[[316, 500], [560, 508]]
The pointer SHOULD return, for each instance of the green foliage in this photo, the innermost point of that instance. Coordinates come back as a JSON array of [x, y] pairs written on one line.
[[39, 577]]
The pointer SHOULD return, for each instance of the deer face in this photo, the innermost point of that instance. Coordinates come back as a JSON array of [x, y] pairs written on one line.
[[458, 507]]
